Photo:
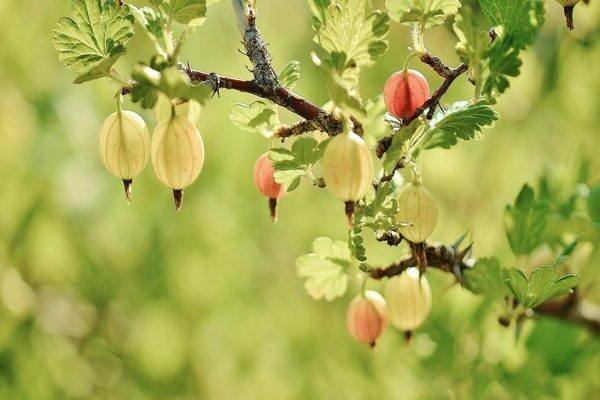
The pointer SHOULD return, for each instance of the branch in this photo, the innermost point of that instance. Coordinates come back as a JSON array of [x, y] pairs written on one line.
[[450, 75], [450, 259]]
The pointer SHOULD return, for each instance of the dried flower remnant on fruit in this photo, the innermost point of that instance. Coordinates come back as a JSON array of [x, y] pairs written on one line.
[[124, 145], [366, 317], [177, 155], [264, 181], [569, 7]]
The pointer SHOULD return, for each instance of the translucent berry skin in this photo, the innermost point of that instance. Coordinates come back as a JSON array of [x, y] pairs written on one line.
[[405, 92], [177, 152], [263, 178], [408, 300], [124, 144], [417, 207], [190, 110], [366, 318], [348, 167]]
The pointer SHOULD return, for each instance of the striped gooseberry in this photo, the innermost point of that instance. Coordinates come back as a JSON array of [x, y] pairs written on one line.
[[366, 318], [405, 92], [265, 183], [408, 297], [417, 209]]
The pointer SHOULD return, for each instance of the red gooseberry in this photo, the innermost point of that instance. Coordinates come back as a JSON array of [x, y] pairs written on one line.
[[405, 92]]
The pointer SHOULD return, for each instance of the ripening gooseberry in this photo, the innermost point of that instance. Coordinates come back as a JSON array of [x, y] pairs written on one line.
[[265, 183], [124, 146], [164, 107], [417, 208], [569, 6], [367, 317], [348, 169], [405, 92], [408, 298], [177, 154]]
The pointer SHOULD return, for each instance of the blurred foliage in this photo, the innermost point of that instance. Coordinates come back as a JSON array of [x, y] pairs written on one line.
[[100, 300]]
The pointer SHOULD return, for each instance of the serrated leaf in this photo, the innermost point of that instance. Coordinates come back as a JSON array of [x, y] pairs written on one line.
[[257, 117], [378, 210], [485, 278], [355, 244], [472, 41], [100, 69], [98, 30], [352, 28], [525, 221], [188, 12], [293, 165], [544, 284], [149, 19], [462, 120], [290, 74], [325, 269], [429, 12]]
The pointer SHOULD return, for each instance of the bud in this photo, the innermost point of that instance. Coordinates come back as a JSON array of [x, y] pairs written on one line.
[[177, 155], [417, 208], [405, 92], [408, 298], [164, 108], [367, 317], [124, 146]]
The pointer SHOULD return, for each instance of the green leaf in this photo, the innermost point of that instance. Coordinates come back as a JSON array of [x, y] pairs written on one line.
[[378, 210], [525, 221], [290, 74], [485, 278], [188, 12], [355, 244], [462, 120], [257, 117], [325, 269], [293, 165], [429, 12], [544, 284], [149, 19], [472, 41], [593, 204], [100, 69], [97, 31], [352, 28]]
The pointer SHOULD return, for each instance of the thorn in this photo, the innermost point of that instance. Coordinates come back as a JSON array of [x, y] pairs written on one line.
[[459, 241], [349, 213], [127, 185], [273, 210], [178, 197], [249, 69], [241, 52], [465, 252]]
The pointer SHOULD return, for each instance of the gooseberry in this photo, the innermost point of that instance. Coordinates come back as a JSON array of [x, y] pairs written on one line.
[[177, 155], [405, 92], [265, 183], [408, 298], [124, 146], [367, 317], [417, 209]]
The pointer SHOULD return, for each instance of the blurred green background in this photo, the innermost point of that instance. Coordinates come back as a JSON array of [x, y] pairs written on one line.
[[100, 300]]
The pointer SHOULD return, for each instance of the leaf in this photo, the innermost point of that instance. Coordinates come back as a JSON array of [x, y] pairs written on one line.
[[525, 221], [290, 74], [293, 165], [325, 269], [462, 120], [188, 12], [429, 12], [100, 69], [149, 19], [350, 27], [379, 209], [544, 284], [485, 278], [97, 31], [472, 41], [593, 204], [355, 244], [257, 117]]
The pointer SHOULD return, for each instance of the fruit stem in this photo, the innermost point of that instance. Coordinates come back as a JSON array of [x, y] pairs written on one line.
[[119, 103], [349, 213], [416, 35], [569, 16], [127, 185], [407, 61], [178, 197], [273, 210]]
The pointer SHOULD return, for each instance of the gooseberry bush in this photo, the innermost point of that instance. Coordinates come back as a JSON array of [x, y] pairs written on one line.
[[345, 138]]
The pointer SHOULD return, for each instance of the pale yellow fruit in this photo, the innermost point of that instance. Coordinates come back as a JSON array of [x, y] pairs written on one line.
[[124, 144], [190, 110], [416, 207], [408, 300], [348, 167], [177, 152]]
